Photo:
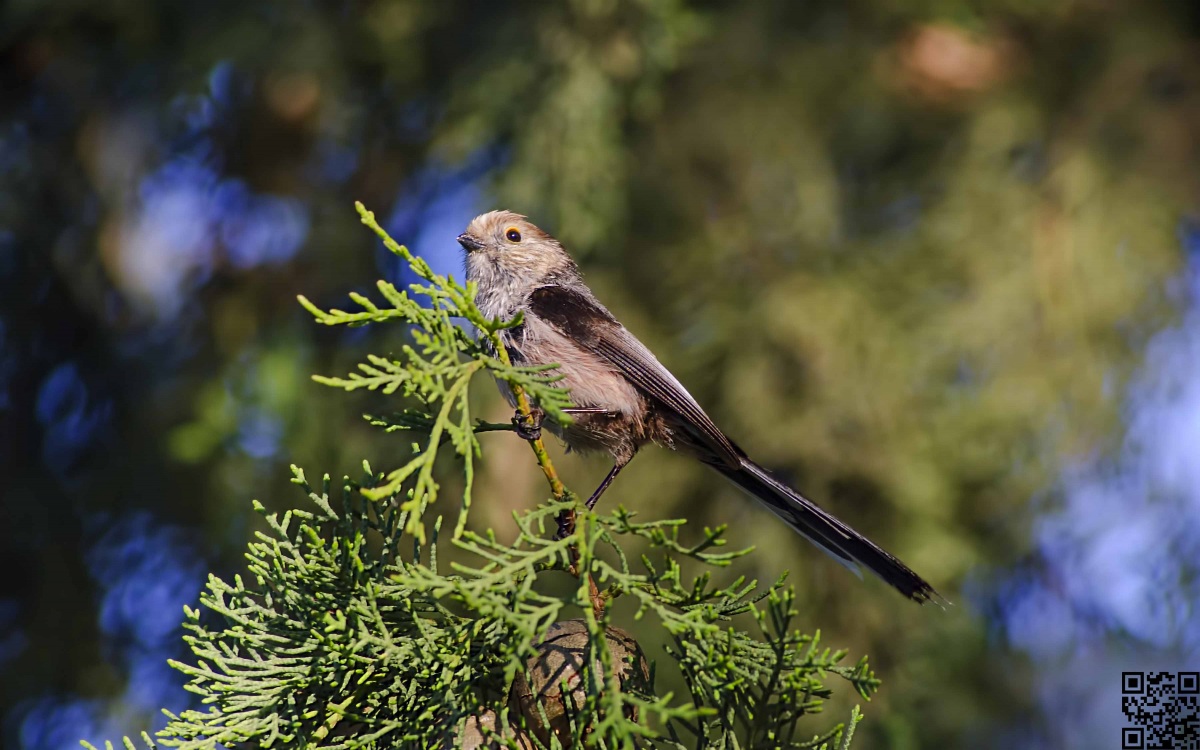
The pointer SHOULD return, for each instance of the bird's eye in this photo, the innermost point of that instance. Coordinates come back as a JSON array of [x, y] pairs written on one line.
[[512, 234]]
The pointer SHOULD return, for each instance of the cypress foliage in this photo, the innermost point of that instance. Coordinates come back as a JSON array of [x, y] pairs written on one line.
[[348, 632]]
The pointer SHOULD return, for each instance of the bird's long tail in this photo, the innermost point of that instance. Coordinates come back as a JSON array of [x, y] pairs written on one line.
[[834, 537]]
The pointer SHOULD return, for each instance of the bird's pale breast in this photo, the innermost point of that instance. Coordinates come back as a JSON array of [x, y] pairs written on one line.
[[626, 425]]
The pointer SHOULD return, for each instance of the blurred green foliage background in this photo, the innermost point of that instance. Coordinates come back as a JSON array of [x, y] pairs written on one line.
[[931, 260]]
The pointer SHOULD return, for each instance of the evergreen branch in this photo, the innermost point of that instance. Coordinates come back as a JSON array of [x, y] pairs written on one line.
[[345, 632], [539, 448]]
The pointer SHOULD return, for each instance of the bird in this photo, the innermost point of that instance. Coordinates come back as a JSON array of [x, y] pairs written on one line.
[[624, 397]]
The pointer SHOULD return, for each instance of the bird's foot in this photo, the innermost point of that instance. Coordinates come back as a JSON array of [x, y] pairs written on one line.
[[566, 525], [529, 427]]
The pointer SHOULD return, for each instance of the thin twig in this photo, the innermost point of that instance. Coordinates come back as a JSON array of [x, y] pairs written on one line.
[[566, 519], [539, 449]]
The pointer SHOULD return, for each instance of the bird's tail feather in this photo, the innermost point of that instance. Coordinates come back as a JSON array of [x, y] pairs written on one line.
[[834, 537]]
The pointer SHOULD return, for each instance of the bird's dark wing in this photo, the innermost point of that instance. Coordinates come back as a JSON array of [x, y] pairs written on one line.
[[578, 316], [581, 318]]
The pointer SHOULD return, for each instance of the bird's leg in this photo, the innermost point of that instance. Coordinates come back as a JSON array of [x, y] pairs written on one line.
[[529, 427], [612, 474], [566, 521]]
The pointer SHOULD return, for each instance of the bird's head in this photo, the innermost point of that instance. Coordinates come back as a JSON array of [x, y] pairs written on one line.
[[504, 248]]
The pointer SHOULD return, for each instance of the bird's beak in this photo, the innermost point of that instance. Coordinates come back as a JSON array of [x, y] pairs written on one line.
[[469, 242]]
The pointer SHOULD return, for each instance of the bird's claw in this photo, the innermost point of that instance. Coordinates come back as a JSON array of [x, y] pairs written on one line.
[[528, 426], [566, 526]]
